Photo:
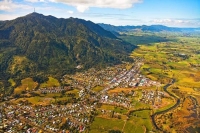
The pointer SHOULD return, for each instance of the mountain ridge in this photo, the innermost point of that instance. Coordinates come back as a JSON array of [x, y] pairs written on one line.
[[46, 45], [151, 28]]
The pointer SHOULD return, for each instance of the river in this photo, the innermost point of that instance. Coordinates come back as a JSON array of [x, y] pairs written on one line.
[[164, 111]]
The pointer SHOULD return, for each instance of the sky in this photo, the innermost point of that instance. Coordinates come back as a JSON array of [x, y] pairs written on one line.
[[173, 13]]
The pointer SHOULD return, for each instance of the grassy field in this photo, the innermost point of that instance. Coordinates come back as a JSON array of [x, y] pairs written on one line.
[[116, 109], [97, 88], [27, 85], [74, 91], [138, 122], [50, 83], [172, 60], [12, 82], [49, 98], [37, 100], [118, 90], [104, 122], [178, 59], [103, 125]]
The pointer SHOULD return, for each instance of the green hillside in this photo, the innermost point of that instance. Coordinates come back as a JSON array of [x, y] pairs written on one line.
[[41, 46]]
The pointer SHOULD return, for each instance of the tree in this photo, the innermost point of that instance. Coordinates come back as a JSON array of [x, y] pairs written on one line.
[[112, 114], [40, 79]]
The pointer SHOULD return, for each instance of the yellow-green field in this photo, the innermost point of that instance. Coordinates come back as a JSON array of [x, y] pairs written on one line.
[[12, 82], [138, 122], [164, 61], [50, 83], [27, 85], [97, 88], [103, 125], [48, 98]]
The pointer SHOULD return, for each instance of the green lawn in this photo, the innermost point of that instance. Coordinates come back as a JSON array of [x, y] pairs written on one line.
[[27, 85], [102, 125], [116, 109], [50, 83], [97, 88], [138, 121]]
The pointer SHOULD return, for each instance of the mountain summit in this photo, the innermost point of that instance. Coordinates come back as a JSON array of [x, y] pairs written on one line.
[[45, 45]]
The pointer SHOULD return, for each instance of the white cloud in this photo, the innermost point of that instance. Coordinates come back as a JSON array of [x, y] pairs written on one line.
[[177, 22], [70, 12], [8, 17], [82, 8], [6, 5], [9, 5], [33, 1], [48, 11], [83, 5]]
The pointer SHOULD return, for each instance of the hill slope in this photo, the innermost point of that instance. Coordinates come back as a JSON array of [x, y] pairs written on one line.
[[44, 45]]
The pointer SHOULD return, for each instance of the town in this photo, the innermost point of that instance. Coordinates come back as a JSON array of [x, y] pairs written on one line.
[[77, 115]]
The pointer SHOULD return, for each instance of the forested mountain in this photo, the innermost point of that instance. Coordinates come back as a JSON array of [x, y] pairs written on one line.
[[151, 28], [36, 45]]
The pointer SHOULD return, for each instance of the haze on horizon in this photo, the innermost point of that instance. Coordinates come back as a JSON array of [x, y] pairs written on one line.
[[174, 13]]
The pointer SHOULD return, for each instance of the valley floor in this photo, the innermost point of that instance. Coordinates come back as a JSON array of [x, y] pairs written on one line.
[[159, 92]]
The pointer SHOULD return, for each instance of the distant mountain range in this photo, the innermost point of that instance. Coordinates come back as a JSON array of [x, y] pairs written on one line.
[[145, 28], [44, 45]]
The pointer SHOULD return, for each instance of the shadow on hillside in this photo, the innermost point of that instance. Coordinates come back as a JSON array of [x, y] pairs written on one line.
[[144, 39]]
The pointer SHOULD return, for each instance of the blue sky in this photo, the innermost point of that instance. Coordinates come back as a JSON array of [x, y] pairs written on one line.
[[175, 13]]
